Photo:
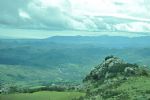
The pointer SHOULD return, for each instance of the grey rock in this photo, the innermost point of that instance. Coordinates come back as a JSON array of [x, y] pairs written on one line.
[[112, 67]]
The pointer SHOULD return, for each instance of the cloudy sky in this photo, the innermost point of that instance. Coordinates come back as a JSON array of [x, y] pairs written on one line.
[[26, 17]]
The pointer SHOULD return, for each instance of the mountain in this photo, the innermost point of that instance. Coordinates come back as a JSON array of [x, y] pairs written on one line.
[[64, 58], [103, 41], [114, 79], [73, 49]]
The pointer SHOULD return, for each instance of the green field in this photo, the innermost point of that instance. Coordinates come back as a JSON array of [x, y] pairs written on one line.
[[44, 95]]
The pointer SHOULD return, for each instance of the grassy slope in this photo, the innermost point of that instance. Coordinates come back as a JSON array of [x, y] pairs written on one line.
[[42, 96], [138, 87], [135, 88]]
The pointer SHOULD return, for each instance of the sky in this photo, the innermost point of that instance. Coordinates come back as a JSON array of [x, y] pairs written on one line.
[[31, 18]]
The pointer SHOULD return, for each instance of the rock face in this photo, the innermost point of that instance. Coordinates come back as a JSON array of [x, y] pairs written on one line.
[[112, 67]]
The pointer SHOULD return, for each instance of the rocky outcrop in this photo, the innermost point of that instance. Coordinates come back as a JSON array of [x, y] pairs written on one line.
[[113, 67], [114, 79]]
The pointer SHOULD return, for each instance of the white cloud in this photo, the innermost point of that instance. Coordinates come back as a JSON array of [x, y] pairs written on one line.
[[133, 27], [24, 14], [87, 15]]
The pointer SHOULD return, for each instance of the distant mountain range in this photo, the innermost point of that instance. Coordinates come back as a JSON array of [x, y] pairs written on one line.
[[104, 41], [37, 51], [69, 58]]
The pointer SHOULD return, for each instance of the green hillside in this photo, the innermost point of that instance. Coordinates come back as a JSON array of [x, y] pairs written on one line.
[[115, 79], [24, 76]]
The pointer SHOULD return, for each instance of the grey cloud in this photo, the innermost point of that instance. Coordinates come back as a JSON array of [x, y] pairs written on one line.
[[9, 10], [50, 18]]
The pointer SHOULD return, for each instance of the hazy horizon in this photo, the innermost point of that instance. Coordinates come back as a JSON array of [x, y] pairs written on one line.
[[10, 33]]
